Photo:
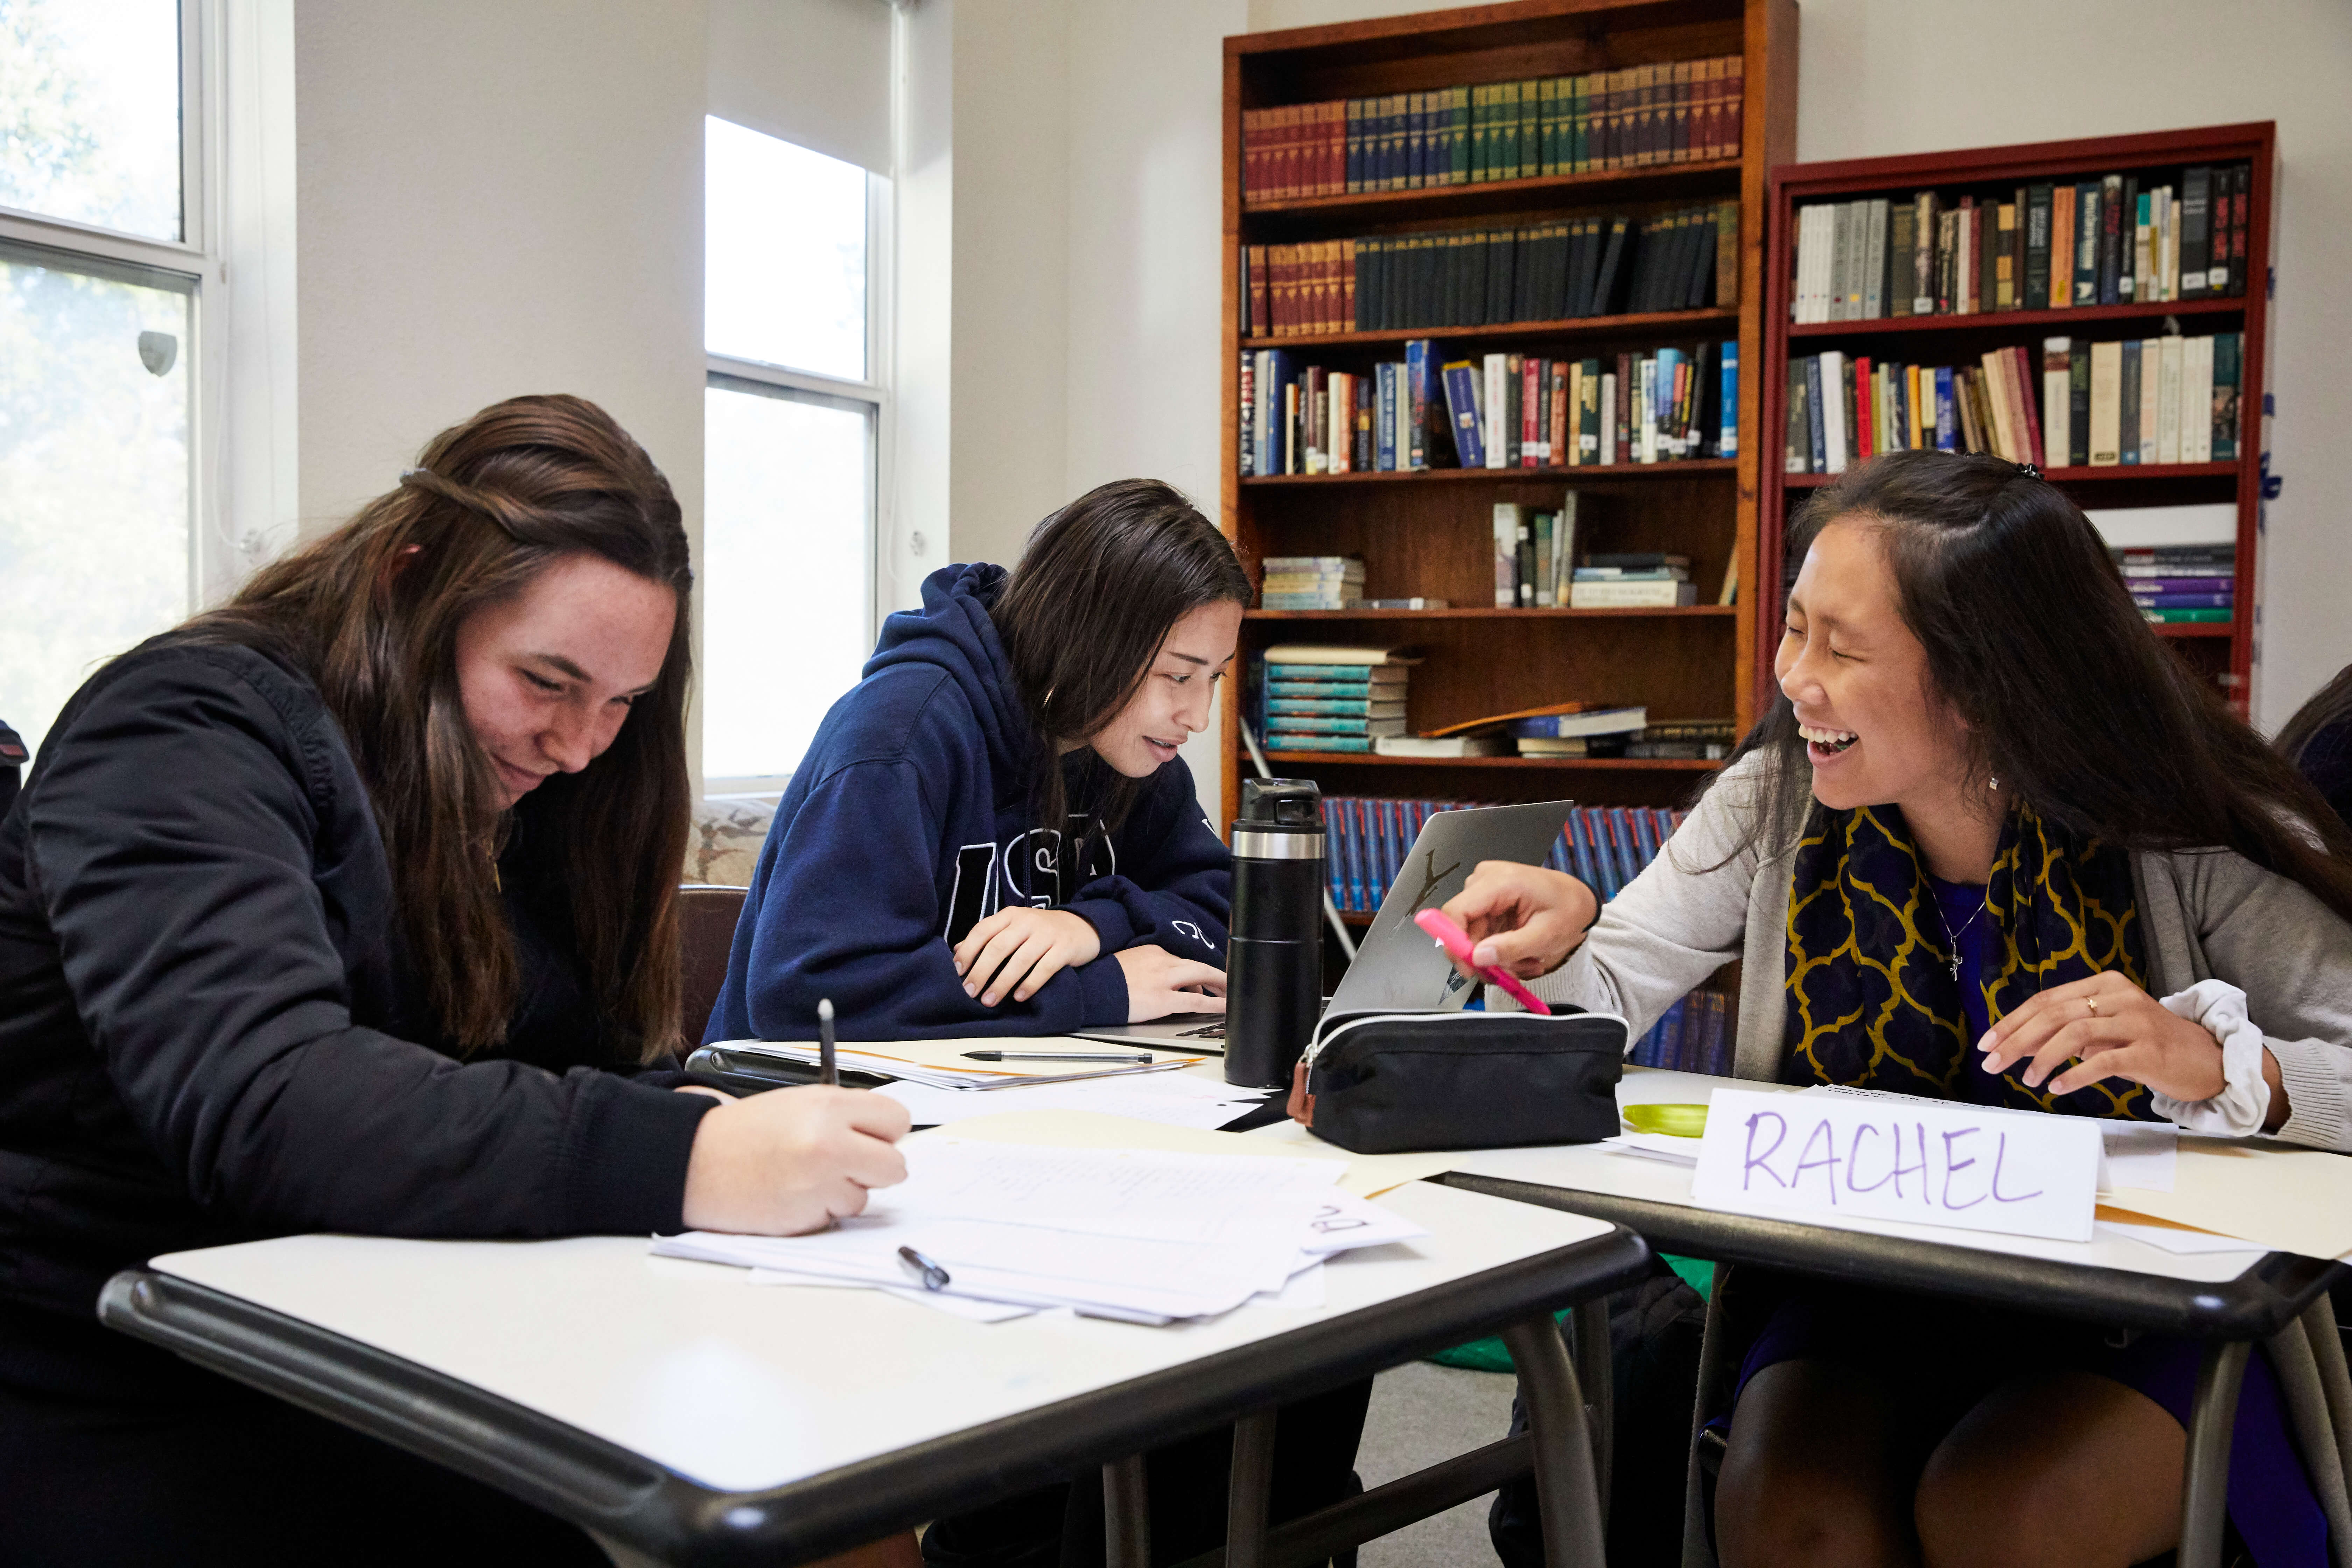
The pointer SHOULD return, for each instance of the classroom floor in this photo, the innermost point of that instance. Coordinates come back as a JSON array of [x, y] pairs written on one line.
[[1421, 1414]]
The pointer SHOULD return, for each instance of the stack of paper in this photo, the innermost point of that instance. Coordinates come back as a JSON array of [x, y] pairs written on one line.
[[902, 1062], [1139, 1235]]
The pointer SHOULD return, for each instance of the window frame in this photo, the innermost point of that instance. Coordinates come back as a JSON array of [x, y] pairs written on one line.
[[873, 393], [214, 563]]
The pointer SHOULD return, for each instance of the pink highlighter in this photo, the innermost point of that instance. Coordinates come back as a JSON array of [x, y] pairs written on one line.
[[1456, 943]]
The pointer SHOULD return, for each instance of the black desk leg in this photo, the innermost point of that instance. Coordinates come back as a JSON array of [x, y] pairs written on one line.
[[2205, 1496], [1588, 1349], [1567, 1498], [1126, 1514], [1247, 1494]]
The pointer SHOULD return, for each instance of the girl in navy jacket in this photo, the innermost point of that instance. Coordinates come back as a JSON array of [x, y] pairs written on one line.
[[993, 831]]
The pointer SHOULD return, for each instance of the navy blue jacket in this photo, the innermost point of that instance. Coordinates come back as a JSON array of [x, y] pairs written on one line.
[[910, 819]]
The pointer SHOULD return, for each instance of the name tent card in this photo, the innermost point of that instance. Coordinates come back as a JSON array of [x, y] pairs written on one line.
[[1928, 1161]]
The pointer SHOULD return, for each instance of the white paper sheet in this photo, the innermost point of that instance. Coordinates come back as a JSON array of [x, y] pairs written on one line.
[[954, 1306], [1142, 1235], [2183, 1242], [1171, 1099]]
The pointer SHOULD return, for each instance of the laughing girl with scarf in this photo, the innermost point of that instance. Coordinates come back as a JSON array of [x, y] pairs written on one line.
[[1995, 844]]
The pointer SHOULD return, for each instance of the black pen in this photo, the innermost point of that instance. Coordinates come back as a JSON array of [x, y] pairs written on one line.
[[827, 1071], [1057, 1056], [933, 1277]]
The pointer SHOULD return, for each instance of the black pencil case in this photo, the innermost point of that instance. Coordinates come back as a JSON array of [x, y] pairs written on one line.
[[1385, 1082]]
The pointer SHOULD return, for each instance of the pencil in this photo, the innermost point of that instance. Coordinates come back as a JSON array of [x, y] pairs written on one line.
[[827, 1071]]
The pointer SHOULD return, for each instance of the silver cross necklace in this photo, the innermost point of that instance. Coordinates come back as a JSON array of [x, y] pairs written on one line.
[[1951, 937]]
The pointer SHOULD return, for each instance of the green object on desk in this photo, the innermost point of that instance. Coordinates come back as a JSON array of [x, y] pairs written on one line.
[[1672, 1120], [1488, 1354]]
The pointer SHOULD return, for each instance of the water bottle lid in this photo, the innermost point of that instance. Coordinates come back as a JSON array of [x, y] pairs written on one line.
[[1281, 805], [1281, 819]]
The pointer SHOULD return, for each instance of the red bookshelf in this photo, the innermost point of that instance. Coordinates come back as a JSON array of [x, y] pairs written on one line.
[[2223, 651]]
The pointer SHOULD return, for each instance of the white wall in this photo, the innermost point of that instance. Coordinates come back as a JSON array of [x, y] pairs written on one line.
[[495, 199], [1146, 258]]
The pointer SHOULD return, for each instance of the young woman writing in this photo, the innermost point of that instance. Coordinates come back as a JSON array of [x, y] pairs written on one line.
[[1994, 844], [992, 832], [351, 906]]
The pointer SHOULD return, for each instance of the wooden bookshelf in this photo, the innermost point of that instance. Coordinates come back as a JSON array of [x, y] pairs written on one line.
[[2222, 650], [1429, 532]]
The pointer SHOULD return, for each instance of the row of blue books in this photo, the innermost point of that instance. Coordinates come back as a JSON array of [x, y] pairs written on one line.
[[1603, 846], [1694, 1035]]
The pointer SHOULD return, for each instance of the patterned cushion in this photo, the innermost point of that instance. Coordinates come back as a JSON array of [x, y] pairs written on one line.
[[725, 844]]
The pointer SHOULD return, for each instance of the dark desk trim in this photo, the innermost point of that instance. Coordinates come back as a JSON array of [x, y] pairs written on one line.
[[2255, 1305], [628, 1498]]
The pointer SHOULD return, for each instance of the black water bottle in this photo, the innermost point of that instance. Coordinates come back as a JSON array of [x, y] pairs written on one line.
[[1273, 962]]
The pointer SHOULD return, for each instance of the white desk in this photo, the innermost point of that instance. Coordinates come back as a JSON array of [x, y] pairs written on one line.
[[673, 1408]]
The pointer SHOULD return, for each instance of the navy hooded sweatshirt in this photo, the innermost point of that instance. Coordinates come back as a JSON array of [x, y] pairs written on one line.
[[911, 819]]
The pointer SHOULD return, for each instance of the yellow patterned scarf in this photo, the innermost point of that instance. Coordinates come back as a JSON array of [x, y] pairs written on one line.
[[1872, 1002]]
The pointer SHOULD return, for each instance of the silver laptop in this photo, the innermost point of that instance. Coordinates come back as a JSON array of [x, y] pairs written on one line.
[[1396, 963]]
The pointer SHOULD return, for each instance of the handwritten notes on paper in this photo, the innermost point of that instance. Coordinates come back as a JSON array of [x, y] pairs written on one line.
[[1931, 1162]]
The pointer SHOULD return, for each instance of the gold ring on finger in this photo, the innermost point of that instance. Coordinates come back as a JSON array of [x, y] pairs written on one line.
[[2093, 1004]]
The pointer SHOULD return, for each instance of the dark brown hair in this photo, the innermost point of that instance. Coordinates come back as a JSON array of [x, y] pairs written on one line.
[[2072, 700], [371, 611], [1097, 588]]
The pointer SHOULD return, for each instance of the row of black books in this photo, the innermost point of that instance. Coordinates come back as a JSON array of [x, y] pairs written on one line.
[[1675, 112], [2121, 239], [1367, 840], [2170, 399], [1497, 411], [1568, 269]]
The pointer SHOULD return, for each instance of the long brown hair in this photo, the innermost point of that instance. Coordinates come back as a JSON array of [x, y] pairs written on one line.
[[1097, 588], [371, 612], [2072, 699]]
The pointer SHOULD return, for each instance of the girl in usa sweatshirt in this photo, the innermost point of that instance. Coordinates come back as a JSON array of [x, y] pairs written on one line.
[[992, 833]]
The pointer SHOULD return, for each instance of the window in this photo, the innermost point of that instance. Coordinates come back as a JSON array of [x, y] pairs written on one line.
[[795, 420], [102, 273]]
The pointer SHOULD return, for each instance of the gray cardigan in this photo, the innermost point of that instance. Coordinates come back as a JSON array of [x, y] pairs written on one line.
[[2206, 914]]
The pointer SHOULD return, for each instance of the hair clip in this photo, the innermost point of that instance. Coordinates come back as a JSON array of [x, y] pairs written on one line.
[[2029, 470]]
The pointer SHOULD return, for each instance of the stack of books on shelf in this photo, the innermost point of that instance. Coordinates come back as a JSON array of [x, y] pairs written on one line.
[[1567, 269], [2172, 584], [1311, 582], [2180, 562], [1318, 697], [2167, 399], [1676, 111], [1685, 739], [1500, 411], [1645, 580], [2039, 247], [1585, 730]]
